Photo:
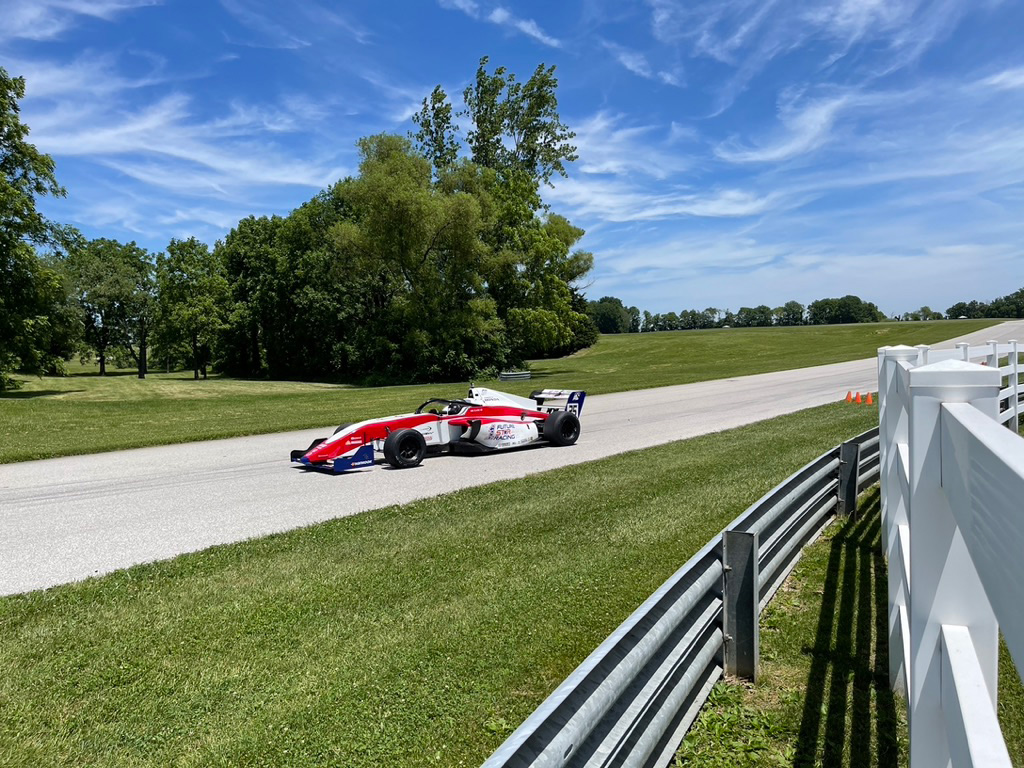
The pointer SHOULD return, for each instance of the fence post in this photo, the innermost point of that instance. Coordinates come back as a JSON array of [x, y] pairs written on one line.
[[892, 432], [922, 354], [882, 447], [945, 588], [965, 349], [993, 355], [1015, 385], [740, 604], [849, 466]]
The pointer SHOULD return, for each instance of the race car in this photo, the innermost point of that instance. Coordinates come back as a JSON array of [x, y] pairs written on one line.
[[484, 421]]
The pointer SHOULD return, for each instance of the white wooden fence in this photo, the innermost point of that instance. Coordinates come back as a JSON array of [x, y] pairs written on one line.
[[952, 482]]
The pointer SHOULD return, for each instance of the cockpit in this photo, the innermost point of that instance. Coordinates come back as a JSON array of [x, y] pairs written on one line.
[[443, 407]]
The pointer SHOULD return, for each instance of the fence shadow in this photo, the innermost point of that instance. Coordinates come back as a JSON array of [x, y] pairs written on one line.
[[851, 652]]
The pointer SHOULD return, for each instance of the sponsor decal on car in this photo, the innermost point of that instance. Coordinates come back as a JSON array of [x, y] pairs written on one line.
[[501, 432]]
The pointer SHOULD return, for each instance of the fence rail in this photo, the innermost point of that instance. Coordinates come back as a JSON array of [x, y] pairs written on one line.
[[632, 700], [952, 482]]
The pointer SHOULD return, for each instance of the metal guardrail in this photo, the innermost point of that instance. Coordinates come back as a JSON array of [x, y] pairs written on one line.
[[514, 375], [632, 700]]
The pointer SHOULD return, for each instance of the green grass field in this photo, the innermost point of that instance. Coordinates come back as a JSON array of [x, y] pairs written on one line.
[[84, 413], [409, 636]]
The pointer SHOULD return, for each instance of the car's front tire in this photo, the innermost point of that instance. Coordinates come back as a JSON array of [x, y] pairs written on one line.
[[562, 428], [342, 427], [404, 448]]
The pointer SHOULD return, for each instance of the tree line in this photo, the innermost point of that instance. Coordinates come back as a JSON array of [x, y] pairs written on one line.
[[610, 315], [427, 265]]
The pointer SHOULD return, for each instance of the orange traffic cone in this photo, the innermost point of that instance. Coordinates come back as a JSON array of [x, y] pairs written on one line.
[[849, 397], [859, 400], [870, 400]]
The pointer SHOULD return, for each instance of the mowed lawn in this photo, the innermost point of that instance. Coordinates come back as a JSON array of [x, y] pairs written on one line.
[[84, 413], [410, 636]]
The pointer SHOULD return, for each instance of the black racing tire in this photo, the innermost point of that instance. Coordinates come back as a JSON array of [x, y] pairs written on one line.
[[405, 448], [343, 426], [562, 428]]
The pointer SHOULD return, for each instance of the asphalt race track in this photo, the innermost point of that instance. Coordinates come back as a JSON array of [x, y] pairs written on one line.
[[67, 519]]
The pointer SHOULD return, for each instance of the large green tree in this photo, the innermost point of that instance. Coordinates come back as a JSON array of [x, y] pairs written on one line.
[[36, 328], [193, 299], [115, 287]]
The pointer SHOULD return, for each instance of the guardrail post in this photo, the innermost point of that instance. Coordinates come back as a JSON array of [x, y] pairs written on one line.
[[740, 604], [849, 473], [945, 587]]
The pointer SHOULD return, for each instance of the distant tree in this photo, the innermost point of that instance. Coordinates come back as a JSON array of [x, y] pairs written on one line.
[[193, 291], [648, 322], [848, 309], [250, 258], [968, 309], [754, 317], [1011, 305], [634, 319], [790, 313], [924, 313], [728, 318], [114, 286], [609, 315]]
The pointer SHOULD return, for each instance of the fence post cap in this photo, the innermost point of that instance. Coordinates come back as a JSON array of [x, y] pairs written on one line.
[[954, 373], [901, 352]]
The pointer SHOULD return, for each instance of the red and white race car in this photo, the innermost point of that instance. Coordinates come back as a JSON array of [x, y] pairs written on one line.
[[486, 420]]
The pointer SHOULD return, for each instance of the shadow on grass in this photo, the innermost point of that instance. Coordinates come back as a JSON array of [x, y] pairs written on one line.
[[850, 650], [20, 395]]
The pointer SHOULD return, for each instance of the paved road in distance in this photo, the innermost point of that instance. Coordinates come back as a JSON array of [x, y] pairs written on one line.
[[67, 519]]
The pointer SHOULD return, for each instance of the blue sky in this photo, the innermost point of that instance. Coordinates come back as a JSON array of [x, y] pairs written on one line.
[[732, 152]]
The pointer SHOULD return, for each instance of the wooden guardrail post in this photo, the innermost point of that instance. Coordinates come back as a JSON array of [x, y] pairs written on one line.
[[849, 473], [741, 604]]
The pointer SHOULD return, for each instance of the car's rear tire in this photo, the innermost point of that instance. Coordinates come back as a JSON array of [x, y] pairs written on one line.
[[404, 448], [342, 427], [562, 428]]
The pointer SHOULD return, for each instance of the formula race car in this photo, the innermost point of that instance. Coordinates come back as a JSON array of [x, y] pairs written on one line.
[[485, 421]]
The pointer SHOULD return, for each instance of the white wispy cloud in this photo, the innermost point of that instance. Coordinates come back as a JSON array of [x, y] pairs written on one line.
[[293, 25], [162, 144], [1007, 80], [806, 129], [49, 19], [468, 7], [748, 35], [528, 27], [618, 200], [637, 63], [634, 61], [504, 18], [608, 143]]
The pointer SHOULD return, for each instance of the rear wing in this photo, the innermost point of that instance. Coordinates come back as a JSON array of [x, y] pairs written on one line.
[[559, 400]]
